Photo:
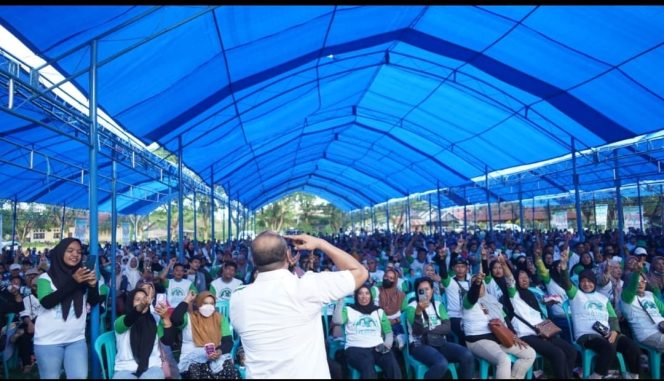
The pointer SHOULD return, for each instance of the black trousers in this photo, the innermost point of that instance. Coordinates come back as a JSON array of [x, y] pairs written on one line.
[[560, 353], [606, 352]]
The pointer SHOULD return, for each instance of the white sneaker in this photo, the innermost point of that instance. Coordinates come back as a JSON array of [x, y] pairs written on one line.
[[631, 376], [595, 376]]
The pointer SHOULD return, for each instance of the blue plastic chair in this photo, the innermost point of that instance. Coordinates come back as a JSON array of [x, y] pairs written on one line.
[[355, 374], [588, 355], [485, 365], [654, 358], [106, 341], [418, 367]]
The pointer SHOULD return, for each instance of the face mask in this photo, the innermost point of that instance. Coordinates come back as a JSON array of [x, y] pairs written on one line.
[[107, 269], [388, 283], [206, 310]]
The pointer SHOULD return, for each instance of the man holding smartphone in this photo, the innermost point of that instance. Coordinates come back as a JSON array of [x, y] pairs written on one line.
[[278, 316]]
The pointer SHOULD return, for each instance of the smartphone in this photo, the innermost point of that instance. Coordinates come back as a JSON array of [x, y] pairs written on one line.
[[90, 262], [209, 348], [161, 298], [421, 295]]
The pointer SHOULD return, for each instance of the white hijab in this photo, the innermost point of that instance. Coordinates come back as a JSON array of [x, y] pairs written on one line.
[[132, 273]]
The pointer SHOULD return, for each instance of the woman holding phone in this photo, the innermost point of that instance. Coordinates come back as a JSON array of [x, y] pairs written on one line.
[[365, 325], [63, 292], [428, 324], [206, 339]]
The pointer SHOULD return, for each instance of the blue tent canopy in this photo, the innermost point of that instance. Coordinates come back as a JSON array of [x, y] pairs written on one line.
[[362, 104]]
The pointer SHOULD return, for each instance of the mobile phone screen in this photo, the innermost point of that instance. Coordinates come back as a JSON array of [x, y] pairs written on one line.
[[90, 263]]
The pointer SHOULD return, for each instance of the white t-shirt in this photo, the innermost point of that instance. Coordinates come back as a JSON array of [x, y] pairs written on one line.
[[279, 319], [51, 328], [223, 290]]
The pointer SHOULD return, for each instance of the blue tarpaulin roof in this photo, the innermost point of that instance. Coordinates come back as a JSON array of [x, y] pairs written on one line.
[[362, 104]]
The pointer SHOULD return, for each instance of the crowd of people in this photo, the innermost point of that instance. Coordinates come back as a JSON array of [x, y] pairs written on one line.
[[432, 297]]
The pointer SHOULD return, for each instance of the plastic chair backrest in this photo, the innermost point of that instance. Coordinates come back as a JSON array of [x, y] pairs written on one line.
[[106, 341], [539, 295], [223, 306]]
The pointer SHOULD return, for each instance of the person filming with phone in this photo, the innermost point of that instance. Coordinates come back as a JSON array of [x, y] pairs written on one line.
[[63, 292], [278, 316]]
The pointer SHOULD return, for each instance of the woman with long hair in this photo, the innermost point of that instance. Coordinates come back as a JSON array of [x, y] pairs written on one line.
[[428, 323], [63, 292]]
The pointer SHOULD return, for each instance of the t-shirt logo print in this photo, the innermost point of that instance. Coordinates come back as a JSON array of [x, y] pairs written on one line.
[[225, 293], [178, 292], [365, 324]]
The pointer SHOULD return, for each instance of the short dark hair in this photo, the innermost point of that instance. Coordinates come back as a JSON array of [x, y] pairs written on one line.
[[268, 248], [230, 264], [178, 264]]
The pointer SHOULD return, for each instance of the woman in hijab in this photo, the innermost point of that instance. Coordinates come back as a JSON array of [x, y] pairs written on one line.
[[596, 325], [132, 273], [137, 336], [63, 292], [480, 307], [585, 263], [206, 339], [365, 325], [552, 279], [560, 353]]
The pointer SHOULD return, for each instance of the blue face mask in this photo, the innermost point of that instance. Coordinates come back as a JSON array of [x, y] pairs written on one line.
[[107, 268]]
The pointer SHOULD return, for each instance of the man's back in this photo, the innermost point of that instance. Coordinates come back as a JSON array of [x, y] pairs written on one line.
[[278, 318]]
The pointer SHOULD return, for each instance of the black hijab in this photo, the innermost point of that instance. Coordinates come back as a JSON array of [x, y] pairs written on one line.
[[502, 284], [525, 294], [142, 333], [62, 275], [365, 310]]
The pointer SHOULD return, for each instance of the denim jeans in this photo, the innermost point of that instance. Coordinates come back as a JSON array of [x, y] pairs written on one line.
[[437, 359], [154, 373], [50, 359]]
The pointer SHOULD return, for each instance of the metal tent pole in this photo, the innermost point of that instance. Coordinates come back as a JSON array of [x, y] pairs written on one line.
[[114, 238], [195, 225], [92, 192], [465, 212], [14, 217], [577, 199], [521, 205], [430, 222], [168, 222], [180, 203], [638, 197], [621, 217], [387, 216], [440, 222], [62, 221], [488, 200], [214, 241]]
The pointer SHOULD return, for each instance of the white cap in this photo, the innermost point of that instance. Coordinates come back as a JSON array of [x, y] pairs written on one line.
[[640, 251], [14, 266]]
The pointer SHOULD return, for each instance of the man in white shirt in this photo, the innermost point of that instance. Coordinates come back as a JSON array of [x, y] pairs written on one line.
[[278, 316], [223, 287]]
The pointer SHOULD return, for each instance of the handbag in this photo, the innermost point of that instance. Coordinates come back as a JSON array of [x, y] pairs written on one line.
[[546, 329], [503, 334], [435, 340]]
